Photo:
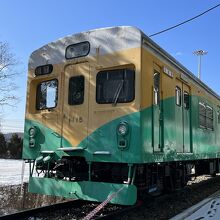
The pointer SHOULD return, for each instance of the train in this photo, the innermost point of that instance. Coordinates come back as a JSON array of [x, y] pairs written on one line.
[[108, 111]]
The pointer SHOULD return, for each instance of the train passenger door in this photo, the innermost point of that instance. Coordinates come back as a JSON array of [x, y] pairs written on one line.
[[156, 112], [179, 116], [182, 117], [186, 119], [75, 105]]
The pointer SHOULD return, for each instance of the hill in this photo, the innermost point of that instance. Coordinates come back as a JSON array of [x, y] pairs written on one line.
[[8, 135]]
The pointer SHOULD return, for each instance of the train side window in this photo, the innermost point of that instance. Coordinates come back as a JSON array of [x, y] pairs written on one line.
[[115, 86], [178, 96], [209, 118], [202, 115], [47, 94], [218, 117], [76, 90], [156, 88], [186, 100]]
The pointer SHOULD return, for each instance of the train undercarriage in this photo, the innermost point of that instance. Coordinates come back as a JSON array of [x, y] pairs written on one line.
[[150, 179]]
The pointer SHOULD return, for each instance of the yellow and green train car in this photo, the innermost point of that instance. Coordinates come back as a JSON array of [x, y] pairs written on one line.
[[109, 110]]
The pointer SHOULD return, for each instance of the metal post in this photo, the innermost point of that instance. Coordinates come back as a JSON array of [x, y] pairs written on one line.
[[134, 173], [199, 67], [199, 53], [129, 174], [89, 163], [30, 170]]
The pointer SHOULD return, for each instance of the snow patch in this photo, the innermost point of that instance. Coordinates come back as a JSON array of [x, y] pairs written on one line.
[[11, 172]]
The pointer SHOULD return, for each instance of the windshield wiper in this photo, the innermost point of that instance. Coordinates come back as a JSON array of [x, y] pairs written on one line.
[[117, 93]]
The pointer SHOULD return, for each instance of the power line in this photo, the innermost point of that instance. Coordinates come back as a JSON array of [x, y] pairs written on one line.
[[177, 25]]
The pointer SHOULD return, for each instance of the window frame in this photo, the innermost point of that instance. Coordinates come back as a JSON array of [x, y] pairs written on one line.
[[156, 90], [112, 70], [37, 98], [203, 115], [184, 103], [206, 116], [76, 44], [79, 76], [210, 118], [218, 114], [218, 117], [180, 96]]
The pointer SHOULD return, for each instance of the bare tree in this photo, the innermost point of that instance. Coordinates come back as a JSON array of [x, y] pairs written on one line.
[[7, 76]]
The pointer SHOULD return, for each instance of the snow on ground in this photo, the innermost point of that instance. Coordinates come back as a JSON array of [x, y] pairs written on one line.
[[11, 172]]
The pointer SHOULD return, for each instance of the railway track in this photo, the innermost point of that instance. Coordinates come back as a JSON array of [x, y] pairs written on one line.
[[168, 205], [76, 209], [162, 207]]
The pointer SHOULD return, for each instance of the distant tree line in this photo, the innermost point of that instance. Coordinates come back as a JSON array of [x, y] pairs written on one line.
[[11, 149]]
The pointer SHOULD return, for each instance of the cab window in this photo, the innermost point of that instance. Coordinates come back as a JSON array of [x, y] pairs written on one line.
[[76, 90], [47, 94], [115, 86]]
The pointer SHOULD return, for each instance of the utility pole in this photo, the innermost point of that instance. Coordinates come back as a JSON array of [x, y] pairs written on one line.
[[199, 53]]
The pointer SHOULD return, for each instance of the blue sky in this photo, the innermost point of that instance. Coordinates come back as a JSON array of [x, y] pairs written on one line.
[[27, 25]]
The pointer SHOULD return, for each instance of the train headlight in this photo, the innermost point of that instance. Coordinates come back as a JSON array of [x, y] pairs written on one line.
[[32, 132], [123, 128]]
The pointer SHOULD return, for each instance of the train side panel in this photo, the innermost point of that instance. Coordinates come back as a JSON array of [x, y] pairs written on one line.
[[175, 134]]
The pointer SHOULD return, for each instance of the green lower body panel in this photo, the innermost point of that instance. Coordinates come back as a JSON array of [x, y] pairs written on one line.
[[85, 190]]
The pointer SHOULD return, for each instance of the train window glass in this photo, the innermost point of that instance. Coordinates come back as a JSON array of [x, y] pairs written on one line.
[[47, 94], [202, 115], [209, 118], [156, 88], [178, 96], [76, 90], [186, 100], [115, 86], [77, 50], [218, 117]]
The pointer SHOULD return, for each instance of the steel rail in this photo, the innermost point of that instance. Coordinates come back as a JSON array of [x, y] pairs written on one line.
[[36, 211]]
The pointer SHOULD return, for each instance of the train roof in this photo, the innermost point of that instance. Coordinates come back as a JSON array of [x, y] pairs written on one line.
[[108, 40], [130, 37]]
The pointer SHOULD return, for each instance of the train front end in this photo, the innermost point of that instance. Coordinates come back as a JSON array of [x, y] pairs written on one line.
[[82, 127]]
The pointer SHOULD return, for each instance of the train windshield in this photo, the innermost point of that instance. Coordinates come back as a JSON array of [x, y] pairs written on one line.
[[115, 86]]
